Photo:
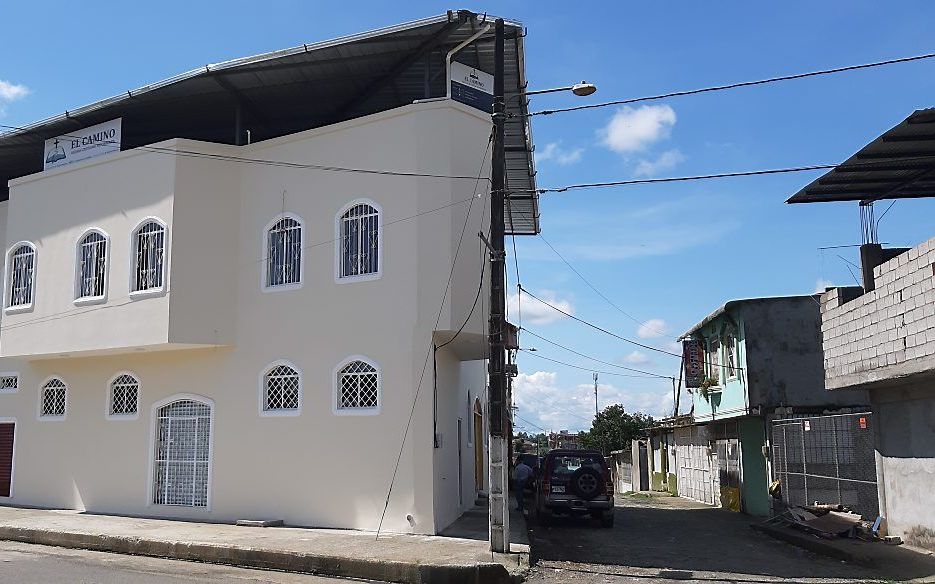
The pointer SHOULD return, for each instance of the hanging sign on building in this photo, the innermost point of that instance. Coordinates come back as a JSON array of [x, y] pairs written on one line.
[[80, 144], [693, 357], [472, 86]]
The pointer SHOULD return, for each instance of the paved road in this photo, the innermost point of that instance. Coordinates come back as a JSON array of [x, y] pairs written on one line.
[[28, 564], [672, 540]]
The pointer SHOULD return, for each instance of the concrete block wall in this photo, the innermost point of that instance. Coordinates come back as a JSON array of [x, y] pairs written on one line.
[[890, 326]]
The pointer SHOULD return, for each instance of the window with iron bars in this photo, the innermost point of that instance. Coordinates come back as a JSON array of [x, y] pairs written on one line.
[[358, 387], [9, 383], [182, 454], [359, 241], [53, 399], [281, 389], [124, 395], [284, 253], [92, 266], [150, 244], [22, 275]]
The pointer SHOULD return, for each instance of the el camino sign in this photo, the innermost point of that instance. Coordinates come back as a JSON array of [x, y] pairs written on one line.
[[472, 87], [81, 144]]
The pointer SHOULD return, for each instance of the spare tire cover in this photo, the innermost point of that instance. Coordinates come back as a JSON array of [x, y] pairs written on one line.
[[587, 483]]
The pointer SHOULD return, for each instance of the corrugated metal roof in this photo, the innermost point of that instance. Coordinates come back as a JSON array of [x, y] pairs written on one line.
[[306, 87], [899, 164]]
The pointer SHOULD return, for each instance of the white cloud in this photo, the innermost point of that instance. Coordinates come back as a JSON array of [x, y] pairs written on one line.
[[637, 358], [652, 329], [10, 92], [633, 129], [535, 312], [821, 284], [543, 401], [563, 157], [663, 163]]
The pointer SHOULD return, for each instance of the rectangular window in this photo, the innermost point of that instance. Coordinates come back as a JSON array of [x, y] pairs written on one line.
[[730, 355], [9, 382], [714, 363]]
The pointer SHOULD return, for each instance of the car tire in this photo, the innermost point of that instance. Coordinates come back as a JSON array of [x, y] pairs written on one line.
[[607, 518]]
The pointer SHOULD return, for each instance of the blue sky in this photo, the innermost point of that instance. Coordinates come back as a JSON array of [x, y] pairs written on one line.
[[668, 254]]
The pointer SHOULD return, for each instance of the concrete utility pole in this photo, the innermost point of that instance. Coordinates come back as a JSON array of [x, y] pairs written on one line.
[[595, 396], [499, 459]]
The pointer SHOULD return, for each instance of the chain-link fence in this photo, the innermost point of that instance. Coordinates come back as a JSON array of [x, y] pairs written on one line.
[[826, 459]]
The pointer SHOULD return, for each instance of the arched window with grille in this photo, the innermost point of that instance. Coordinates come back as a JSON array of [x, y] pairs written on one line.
[[182, 451], [124, 398], [53, 399], [149, 249], [357, 387], [358, 242], [283, 253], [92, 266], [21, 276], [281, 390]]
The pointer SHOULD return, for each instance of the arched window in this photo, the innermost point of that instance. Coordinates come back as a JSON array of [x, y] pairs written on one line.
[[149, 249], [284, 253], [359, 241], [53, 399], [358, 388], [92, 266], [124, 395], [182, 453], [21, 276], [282, 389]]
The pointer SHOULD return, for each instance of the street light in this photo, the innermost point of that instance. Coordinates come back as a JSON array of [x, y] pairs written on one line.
[[581, 89]]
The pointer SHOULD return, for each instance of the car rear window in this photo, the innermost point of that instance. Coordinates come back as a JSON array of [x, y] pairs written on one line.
[[565, 465]]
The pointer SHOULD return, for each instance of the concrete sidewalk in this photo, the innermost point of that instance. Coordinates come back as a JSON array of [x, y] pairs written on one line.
[[410, 559]]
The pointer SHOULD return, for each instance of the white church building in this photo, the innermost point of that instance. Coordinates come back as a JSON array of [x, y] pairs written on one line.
[[250, 291]]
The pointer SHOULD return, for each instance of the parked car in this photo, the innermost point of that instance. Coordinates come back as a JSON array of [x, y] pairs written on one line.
[[575, 482]]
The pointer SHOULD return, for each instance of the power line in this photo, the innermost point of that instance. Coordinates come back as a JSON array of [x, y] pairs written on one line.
[[614, 373], [735, 85], [530, 423], [596, 360]]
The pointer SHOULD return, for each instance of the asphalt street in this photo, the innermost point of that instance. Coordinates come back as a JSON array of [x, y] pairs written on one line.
[[33, 564]]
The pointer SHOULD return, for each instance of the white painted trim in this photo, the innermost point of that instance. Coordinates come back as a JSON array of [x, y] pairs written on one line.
[[109, 402], [10, 374], [13, 461], [264, 253], [131, 281], [152, 448], [337, 243], [261, 394], [336, 387], [6, 279], [42, 385], [86, 300]]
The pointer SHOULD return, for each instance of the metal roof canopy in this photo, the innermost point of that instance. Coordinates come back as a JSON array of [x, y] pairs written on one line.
[[310, 86], [900, 164]]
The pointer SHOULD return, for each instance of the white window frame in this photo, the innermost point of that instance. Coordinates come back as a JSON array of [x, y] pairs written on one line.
[[134, 250], [264, 254], [338, 244], [50, 418], [101, 298], [8, 279], [153, 418], [336, 388], [13, 421], [110, 415], [7, 390], [261, 394]]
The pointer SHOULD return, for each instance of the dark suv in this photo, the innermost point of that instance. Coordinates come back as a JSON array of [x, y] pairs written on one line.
[[575, 482]]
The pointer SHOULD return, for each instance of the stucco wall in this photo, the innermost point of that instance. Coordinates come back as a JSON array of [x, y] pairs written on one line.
[[314, 469]]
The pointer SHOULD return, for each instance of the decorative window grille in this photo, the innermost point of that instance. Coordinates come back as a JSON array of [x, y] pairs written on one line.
[[360, 241], [124, 395], [182, 450], [281, 389], [22, 272], [358, 386], [53, 398], [9, 383], [284, 253], [150, 242], [92, 258]]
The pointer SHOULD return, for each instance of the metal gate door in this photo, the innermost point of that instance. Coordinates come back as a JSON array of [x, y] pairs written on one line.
[[183, 438], [695, 479]]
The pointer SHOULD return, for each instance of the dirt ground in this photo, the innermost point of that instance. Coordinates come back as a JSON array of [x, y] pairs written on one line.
[[668, 539]]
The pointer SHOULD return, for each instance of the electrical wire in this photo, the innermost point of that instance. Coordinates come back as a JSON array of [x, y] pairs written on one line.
[[592, 370], [595, 359], [734, 85]]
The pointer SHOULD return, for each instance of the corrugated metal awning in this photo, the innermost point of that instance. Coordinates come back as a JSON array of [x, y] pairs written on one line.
[[310, 86]]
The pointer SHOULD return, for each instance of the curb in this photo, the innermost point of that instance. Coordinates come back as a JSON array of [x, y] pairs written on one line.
[[322, 565], [815, 545]]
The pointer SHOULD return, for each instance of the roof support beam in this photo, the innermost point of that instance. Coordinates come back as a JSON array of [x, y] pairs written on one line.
[[243, 104]]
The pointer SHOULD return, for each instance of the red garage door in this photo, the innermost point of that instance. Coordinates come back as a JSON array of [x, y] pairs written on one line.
[[6, 458]]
